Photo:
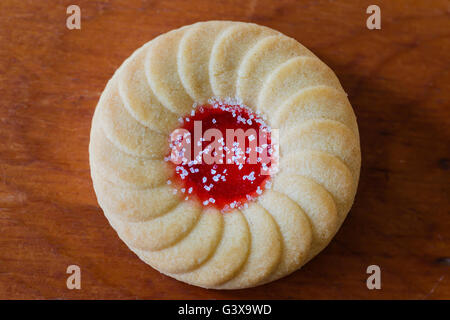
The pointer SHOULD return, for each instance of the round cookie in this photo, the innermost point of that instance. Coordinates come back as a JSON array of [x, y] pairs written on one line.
[[269, 225]]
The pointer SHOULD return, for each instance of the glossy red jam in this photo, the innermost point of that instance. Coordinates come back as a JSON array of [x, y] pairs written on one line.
[[221, 155]]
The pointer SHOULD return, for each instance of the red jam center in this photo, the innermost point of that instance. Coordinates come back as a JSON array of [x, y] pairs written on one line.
[[221, 155]]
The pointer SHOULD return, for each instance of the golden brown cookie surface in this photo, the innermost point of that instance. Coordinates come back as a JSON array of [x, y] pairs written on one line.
[[273, 75]]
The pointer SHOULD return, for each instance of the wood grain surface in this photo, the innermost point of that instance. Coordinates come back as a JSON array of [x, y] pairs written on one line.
[[398, 82]]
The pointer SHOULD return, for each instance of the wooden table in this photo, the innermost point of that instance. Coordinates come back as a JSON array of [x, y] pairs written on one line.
[[397, 79]]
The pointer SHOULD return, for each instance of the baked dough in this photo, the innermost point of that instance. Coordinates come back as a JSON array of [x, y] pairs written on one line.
[[272, 74]]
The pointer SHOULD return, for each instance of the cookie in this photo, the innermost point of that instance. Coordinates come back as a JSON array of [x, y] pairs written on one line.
[[225, 154]]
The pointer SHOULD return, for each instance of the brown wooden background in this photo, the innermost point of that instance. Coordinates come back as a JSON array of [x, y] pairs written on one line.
[[399, 84]]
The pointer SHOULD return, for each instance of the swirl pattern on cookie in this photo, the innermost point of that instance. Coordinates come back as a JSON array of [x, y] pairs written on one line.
[[285, 223]]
